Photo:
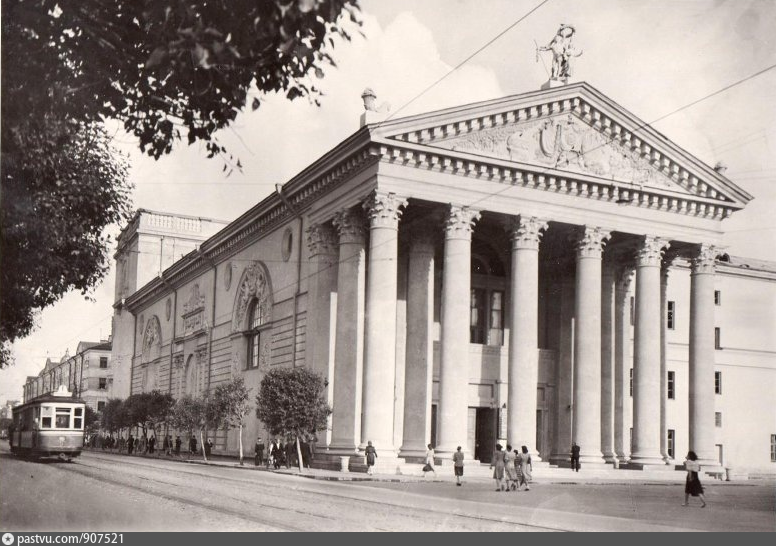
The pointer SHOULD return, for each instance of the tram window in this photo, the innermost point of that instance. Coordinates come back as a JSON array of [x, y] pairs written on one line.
[[45, 422], [63, 418], [77, 423], [78, 412]]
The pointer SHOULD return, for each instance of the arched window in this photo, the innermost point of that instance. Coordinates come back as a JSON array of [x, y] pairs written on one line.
[[257, 323]]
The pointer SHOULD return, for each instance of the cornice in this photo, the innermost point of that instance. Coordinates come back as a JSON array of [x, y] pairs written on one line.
[[551, 180]]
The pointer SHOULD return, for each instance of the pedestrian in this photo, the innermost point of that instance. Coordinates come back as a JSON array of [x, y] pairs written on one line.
[[307, 454], [370, 453], [272, 454], [130, 445], [258, 452], [137, 445], [166, 445], [144, 443], [290, 454], [525, 473], [178, 443], [458, 465], [574, 457], [429, 466], [510, 472], [498, 467], [193, 445], [692, 486], [152, 444], [208, 447]]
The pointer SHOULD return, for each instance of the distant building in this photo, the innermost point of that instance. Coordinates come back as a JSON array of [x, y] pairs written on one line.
[[6, 411], [87, 374]]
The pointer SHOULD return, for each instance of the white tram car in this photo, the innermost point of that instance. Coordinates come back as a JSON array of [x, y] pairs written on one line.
[[51, 425]]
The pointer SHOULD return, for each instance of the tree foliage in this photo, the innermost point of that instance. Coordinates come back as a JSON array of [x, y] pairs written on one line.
[[233, 404], [291, 402], [194, 414], [113, 416], [168, 70], [91, 419]]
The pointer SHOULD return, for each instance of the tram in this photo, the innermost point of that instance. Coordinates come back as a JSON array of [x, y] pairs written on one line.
[[51, 425]]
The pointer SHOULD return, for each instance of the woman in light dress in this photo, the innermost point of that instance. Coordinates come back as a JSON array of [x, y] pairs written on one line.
[[509, 468], [498, 468]]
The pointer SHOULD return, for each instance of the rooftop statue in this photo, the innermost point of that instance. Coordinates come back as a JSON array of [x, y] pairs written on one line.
[[563, 51]]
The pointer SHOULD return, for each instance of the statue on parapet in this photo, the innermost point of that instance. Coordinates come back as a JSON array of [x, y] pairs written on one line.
[[563, 51]]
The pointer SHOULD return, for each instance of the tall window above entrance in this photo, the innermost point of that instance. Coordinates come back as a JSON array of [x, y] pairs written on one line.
[[487, 303]]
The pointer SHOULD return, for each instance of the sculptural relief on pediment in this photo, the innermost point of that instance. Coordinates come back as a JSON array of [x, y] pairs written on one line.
[[563, 142]]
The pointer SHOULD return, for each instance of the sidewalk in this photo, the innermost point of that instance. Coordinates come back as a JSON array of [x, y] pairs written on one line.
[[474, 473]]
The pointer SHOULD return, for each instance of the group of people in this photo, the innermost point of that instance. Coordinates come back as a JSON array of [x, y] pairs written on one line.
[[281, 453], [511, 469], [142, 444]]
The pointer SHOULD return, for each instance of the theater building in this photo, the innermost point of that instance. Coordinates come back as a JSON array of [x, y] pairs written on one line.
[[539, 269]]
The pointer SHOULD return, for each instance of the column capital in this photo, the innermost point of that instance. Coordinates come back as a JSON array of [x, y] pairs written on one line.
[[525, 232], [704, 259], [591, 241], [350, 226], [384, 209], [321, 239], [459, 222], [650, 253]]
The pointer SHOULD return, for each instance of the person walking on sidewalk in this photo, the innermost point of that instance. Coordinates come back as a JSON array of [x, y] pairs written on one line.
[[258, 452], [178, 443], [524, 460], [458, 465], [574, 457], [130, 444], [692, 486], [371, 458], [498, 468], [510, 473], [429, 466]]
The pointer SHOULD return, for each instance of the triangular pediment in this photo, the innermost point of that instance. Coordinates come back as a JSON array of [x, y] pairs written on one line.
[[572, 129]]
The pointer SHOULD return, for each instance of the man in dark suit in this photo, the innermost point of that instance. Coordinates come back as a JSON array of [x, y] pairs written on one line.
[[574, 457]]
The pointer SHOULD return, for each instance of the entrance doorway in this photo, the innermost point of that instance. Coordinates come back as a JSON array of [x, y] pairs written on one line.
[[485, 434]]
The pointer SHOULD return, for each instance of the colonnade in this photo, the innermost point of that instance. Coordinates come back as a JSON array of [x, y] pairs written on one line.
[[364, 353]]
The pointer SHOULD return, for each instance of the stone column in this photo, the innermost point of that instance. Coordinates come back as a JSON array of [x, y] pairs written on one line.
[[622, 365], [586, 430], [607, 361], [525, 233], [646, 354], [663, 366], [321, 324], [349, 339], [564, 376], [420, 349], [454, 361], [701, 380], [383, 211]]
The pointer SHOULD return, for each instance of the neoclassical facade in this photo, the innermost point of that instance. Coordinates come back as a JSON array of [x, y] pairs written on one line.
[[497, 271]]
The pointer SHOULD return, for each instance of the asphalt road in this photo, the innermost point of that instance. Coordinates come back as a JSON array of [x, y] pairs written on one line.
[[105, 492]]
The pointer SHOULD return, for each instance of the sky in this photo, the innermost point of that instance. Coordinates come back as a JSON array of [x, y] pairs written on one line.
[[650, 56]]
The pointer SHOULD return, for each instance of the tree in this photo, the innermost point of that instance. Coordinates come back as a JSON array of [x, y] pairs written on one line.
[[113, 416], [291, 403], [194, 414], [91, 420], [167, 70], [232, 402]]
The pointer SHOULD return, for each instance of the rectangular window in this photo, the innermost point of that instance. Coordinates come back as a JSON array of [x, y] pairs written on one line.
[[718, 419], [496, 332], [671, 386], [78, 418], [631, 382], [773, 448], [671, 442], [717, 382], [717, 338], [45, 413], [100, 405], [632, 311], [717, 297], [254, 350], [103, 383], [63, 418], [670, 315], [477, 316], [103, 362]]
